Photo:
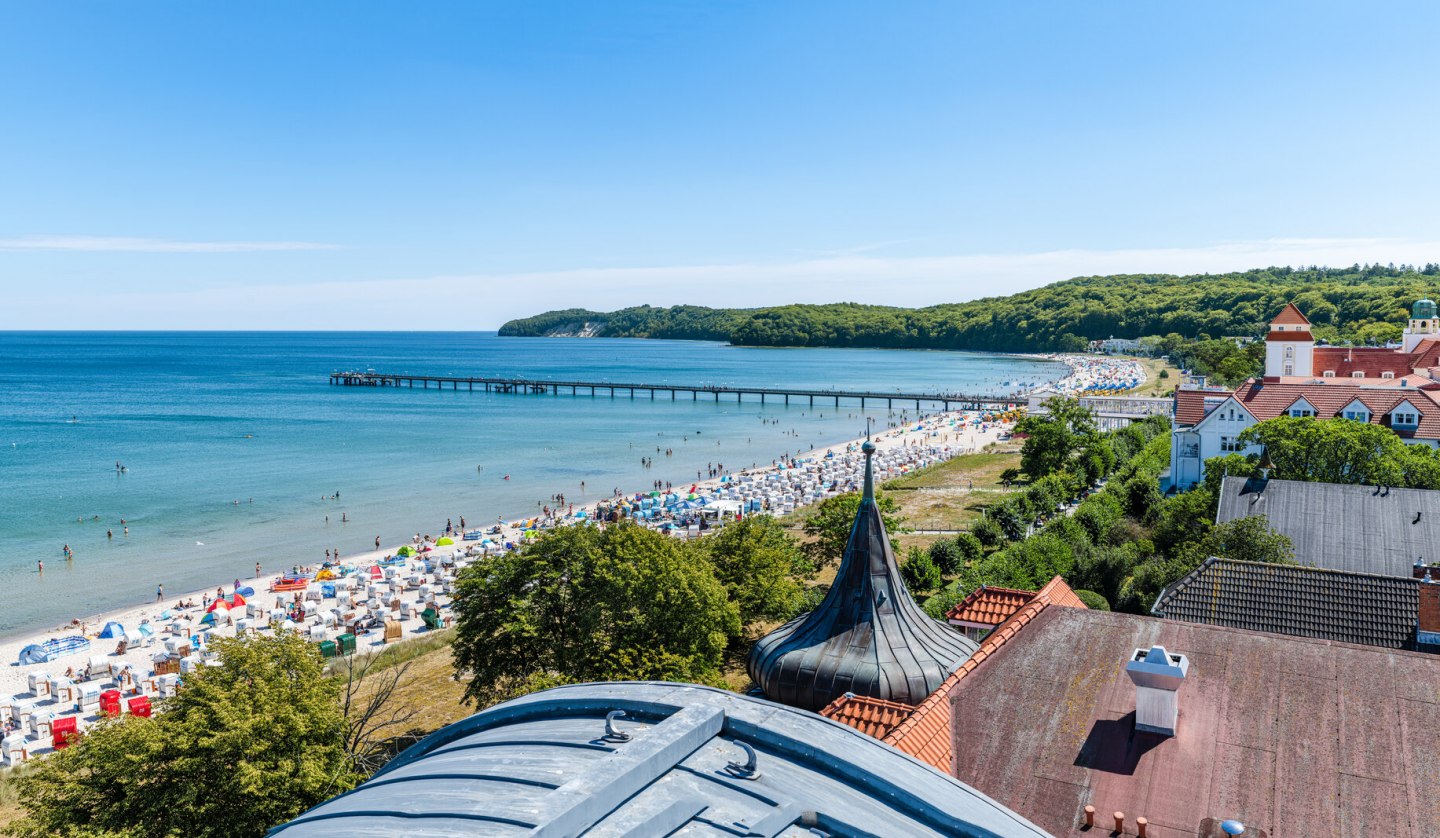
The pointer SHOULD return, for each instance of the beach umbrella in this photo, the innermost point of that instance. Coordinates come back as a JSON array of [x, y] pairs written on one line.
[[445, 541], [238, 600], [208, 619]]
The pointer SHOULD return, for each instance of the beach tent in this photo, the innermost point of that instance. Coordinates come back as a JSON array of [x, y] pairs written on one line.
[[407, 550], [112, 631], [218, 604], [238, 599], [444, 541], [245, 591], [208, 619]]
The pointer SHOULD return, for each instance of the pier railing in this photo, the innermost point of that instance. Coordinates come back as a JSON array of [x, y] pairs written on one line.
[[944, 401]]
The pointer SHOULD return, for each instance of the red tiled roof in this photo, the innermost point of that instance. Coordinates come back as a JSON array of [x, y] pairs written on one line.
[[1290, 316], [1289, 336], [1291, 735], [874, 717], [989, 606], [925, 733], [1369, 361], [1190, 405], [1329, 398]]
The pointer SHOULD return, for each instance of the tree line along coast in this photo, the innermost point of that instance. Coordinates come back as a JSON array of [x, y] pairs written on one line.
[[1203, 322]]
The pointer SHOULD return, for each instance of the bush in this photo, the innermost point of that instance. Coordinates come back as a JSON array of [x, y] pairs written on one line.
[[1093, 601], [969, 547], [947, 555], [939, 605], [988, 532], [919, 572]]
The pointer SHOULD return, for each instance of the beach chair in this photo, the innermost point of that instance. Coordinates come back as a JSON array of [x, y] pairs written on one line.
[[188, 664], [167, 684], [243, 625], [317, 633], [406, 612], [110, 703], [39, 683], [99, 665], [41, 723], [62, 689], [393, 631], [330, 619], [432, 619], [21, 709], [17, 750], [345, 644], [342, 598], [89, 701], [140, 706]]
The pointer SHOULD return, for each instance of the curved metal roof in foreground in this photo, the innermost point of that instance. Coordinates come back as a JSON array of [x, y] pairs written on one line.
[[543, 765], [867, 637]]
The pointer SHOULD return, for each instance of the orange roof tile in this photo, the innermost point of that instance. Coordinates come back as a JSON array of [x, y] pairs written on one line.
[[1290, 316], [925, 733], [871, 716], [989, 606]]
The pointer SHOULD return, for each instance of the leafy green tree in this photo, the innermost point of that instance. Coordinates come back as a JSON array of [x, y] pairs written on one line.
[[945, 554], [1329, 451], [244, 746], [1052, 440], [940, 604], [832, 520], [761, 567], [1249, 539], [920, 573], [988, 532], [584, 604], [1092, 600]]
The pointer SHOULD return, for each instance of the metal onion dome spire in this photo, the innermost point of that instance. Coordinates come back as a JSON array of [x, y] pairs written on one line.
[[868, 636]]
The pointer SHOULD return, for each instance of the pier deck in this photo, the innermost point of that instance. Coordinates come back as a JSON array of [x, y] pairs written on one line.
[[943, 401]]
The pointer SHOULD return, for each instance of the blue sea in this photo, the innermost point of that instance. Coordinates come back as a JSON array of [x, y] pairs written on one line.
[[235, 444]]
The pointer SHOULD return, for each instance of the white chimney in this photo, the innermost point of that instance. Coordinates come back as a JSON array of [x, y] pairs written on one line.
[[1158, 676]]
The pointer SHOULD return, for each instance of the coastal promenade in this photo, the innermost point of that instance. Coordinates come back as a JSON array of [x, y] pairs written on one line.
[[942, 401]]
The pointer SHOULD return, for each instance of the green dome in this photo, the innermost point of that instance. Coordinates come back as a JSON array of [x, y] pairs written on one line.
[[1423, 310]]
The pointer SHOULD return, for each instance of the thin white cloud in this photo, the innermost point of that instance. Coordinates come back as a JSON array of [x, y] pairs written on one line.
[[119, 244], [484, 301]]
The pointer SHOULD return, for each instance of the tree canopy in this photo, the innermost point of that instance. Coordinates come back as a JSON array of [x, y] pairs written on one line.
[[761, 567], [834, 517], [246, 745], [1357, 303], [581, 604]]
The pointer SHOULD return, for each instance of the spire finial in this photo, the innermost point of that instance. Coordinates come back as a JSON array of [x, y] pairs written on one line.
[[868, 448]]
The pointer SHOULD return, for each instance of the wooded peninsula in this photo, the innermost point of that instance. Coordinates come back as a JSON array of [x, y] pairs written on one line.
[[1360, 304]]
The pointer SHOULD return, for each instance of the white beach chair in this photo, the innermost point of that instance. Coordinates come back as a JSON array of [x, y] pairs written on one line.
[[99, 666], [342, 598], [39, 683], [317, 633], [40, 723], [188, 664], [166, 685], [89, 698], [329, 619], [405, 611], [16, 748]]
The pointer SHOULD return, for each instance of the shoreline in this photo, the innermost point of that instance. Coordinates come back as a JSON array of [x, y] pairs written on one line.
[[11, 643]]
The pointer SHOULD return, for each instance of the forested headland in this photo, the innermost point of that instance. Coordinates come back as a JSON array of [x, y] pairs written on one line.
[[1361, 303]]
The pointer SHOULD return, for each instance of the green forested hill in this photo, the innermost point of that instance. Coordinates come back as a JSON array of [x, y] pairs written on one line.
[[1356, 303]]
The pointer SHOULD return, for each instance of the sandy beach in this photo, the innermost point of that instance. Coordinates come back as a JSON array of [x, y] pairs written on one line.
[[803, 478]]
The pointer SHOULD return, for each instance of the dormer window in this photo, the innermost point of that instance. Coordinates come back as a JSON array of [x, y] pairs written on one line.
[[1404, 418], [1387, 374], [1301, 413], [1329, 374], [1357, 415], [1357, 374]]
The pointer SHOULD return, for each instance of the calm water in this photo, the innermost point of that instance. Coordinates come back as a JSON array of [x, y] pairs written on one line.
[[202, 420]]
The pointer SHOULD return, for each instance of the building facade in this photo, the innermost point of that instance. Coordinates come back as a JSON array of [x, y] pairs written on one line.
[[1397, 387]]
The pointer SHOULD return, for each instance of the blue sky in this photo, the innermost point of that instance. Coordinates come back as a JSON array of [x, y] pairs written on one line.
[[391, 165]]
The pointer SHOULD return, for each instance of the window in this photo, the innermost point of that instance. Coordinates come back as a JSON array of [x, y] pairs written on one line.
[[1404, 418], [1357, 415], [1329, 373], [1301, 413], [1228, 443], [1387, 374], [1289, 352], [1357, 374], [1289, 369]]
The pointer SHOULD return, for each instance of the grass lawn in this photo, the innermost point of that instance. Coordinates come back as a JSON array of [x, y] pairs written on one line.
[[1154, 384]]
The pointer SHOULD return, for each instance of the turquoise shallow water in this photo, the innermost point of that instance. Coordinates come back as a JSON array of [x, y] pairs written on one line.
[[201, 420]]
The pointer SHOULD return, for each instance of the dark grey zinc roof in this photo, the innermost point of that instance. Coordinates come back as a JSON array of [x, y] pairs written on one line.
[[1363, 608], [868, 636], [1364, 529], [542, 766]]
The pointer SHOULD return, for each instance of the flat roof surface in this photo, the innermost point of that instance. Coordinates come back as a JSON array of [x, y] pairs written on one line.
[[1362, 529], [541, 765], [1294, 736]]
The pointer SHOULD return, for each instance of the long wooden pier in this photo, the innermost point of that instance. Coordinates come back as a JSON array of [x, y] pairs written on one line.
[[943, 401]]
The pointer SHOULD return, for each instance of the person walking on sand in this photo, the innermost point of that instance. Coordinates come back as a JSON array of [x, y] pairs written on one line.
[[159, 592]]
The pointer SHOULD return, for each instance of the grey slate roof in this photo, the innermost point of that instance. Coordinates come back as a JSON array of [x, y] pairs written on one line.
[[867, 637], [541, 765], [1363, 529], [1362, 608]]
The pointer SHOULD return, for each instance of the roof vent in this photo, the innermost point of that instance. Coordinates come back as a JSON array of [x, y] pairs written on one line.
[[1158, 676]]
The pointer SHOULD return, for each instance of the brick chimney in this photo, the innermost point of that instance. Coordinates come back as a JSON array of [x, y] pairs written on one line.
[[1427, 624], [1158, 676]]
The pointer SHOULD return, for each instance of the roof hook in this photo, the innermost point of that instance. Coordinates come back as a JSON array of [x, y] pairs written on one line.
[[746, 770], [613, 734]]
